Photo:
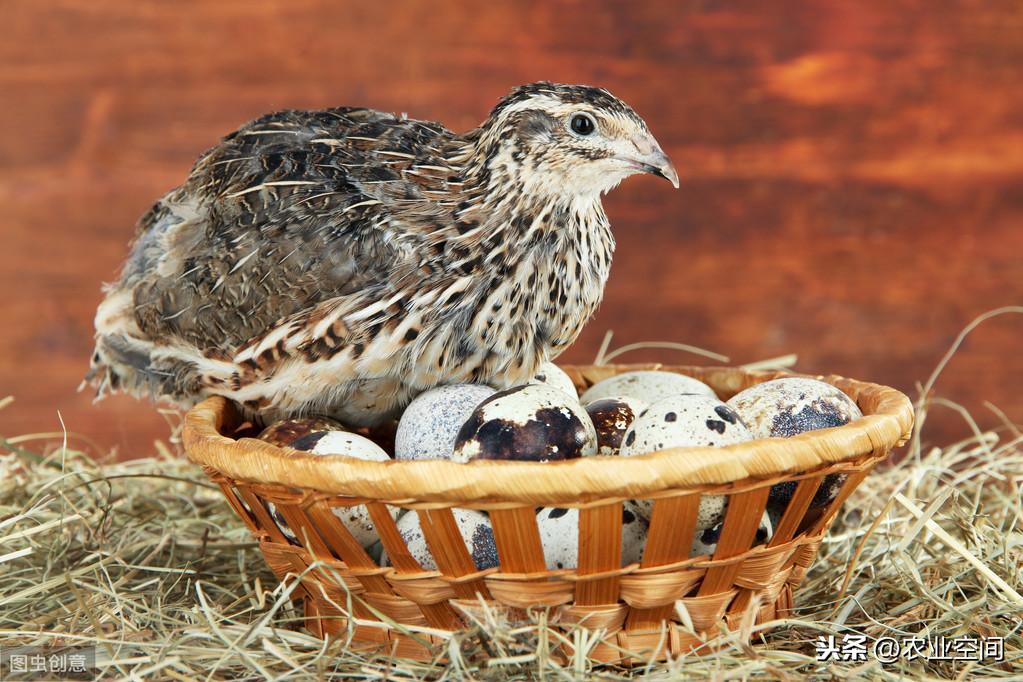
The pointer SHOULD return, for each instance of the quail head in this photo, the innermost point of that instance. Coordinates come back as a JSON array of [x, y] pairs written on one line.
[[342, 261]]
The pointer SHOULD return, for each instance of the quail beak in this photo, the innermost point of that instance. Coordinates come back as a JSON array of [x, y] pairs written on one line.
[[651, 159], [662, 166]]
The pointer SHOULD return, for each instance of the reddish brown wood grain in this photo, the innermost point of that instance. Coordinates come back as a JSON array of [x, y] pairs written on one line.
[[852, 172]]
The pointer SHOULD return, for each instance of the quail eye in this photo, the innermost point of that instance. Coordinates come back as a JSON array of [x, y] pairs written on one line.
[[582, 124]]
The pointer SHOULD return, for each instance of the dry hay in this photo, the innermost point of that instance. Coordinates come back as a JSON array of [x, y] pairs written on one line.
[[145, 561]]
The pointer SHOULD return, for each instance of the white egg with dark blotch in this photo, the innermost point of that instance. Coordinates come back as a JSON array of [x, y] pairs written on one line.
[[559, 534], [340, 443], [282, 525], [646, 385], [705, 541], [611, 418], [828, 490], [551, 375], [686, 421], [286, 431], [787, 407], [774, 514], [430, 424], [781, 493], [527, 423], [794, 405], [473, 526], [355, 518]]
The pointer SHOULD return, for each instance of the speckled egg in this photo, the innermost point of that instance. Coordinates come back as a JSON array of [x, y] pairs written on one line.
[[774, 515], [474, 527], [781, 493], [648, 386], [828, 490], [686, 421], [790, 406], [286, 431], [559, 533], [285, 529], [787, 407], [333, 443], [430, 423], [710, 512], [528, 423], [611, 418], [705, 541], [340, 443], [551, 375]]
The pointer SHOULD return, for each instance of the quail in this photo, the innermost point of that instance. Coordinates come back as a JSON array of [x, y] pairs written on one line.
[[340, 262]]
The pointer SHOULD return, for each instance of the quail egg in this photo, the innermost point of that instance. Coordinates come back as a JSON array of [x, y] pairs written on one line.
[[551, 375], [686, 421], [474, 527], [559, 533], [682, 421], [790, 406], [648, 386], [781, 493], [529, 423], [286, 431], [333, 443], [278, 518], [774, 515], [828, 490], [611, 418], [430, 423], [340, 443], [705, 541], [786, 407]]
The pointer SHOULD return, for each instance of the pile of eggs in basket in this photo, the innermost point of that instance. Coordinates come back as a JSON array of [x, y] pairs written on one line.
[[546, 420]]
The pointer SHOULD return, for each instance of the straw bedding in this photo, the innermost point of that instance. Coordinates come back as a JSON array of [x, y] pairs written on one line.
[[145, 561]]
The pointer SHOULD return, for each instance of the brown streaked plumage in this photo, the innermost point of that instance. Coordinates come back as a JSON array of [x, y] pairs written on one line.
[[342, 261]]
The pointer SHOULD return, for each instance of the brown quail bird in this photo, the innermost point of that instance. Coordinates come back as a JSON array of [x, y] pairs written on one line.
[[341, 261]]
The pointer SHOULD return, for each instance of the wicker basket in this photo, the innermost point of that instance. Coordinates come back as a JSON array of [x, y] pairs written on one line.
[[638, 606]]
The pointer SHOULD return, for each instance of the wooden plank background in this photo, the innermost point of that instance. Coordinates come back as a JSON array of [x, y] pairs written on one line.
[[851, 171]]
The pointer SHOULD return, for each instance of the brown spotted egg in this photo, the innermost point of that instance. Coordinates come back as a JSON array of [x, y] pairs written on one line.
[[611, 418], [686, 421], [705, 541], [473, 526], [331, 444], [528, 423], [551, 375], [559, 534], [648, 386], [430, 424], [286, 431], [787, 407]]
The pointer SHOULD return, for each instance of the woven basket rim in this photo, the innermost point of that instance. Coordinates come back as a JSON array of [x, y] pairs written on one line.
[[887, 423]]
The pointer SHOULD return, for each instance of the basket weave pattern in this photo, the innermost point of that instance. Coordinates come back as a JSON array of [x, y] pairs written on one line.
[[650, 608]]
